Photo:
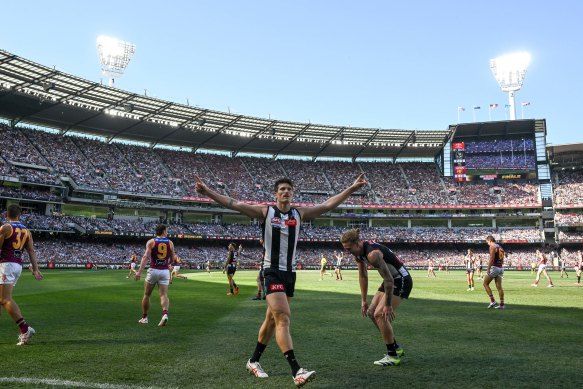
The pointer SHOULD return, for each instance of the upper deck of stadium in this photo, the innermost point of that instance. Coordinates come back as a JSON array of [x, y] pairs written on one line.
[[41, 95]]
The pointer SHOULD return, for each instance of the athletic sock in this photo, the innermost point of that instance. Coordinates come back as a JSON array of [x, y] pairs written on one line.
[[501, 302], [392, 349], [144, 315], [164, 312], [578, 279], [291, 359], [22, 325], [258, 351], [231, 290], [492, 300]]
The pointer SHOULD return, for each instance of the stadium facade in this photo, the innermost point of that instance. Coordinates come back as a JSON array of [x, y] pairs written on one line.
[[95, 163]]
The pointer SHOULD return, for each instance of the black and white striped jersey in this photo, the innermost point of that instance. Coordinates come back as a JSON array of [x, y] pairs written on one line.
[[281, 231]]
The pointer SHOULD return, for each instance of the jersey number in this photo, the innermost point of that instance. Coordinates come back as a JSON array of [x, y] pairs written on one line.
[[162, 250], [21, 235]]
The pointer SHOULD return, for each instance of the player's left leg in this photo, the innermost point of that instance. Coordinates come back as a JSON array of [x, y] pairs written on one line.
[[388, 334], [548, 278], [164, 303], [498, 281]]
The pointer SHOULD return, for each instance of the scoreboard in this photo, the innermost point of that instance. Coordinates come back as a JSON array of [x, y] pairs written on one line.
[[459, 161]]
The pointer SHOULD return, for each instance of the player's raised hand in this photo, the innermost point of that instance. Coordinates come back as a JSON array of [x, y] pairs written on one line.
[[359, 182], [200, 185]]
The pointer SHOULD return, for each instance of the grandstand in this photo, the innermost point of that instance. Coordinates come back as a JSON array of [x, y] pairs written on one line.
[[95, 166]]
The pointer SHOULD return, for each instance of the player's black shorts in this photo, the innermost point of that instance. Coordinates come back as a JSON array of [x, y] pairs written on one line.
[[231, 270], [275, 280], [469, 271], [402, 287], [338, 267]]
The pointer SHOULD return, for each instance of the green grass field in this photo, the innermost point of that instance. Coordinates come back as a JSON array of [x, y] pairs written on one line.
[[88, 335]]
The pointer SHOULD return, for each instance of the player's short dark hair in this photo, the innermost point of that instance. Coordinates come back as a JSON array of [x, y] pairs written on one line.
[[13, 211], [160, 229], [490, 238], [284, 180]]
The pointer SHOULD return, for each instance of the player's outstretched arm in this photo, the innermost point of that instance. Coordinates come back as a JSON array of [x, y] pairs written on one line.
[[334, 201], [253, 211]]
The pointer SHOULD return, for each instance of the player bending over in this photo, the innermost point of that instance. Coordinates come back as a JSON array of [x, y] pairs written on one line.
[[396, 286]]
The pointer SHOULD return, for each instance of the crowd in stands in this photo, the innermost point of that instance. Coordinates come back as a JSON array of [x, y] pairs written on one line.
[[568, 188], [34, 194], [570, 235], [196, 256], [124, 226], [568, 219], [92, 163]]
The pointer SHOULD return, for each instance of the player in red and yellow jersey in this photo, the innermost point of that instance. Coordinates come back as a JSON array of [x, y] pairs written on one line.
[[14, 238], [495, 272], [160, 253]]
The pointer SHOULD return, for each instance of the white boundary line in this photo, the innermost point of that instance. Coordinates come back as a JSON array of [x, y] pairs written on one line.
[[67, 383]]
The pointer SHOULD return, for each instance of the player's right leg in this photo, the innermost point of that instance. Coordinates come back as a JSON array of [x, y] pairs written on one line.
[[148, 288], [487, 281]]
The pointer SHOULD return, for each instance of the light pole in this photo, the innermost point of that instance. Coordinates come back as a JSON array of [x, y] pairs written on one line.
[[114, 55], [509, 70]]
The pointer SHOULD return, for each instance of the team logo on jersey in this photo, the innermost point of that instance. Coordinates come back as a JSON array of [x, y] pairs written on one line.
[[275, 222], [291, 222], [276, 288]]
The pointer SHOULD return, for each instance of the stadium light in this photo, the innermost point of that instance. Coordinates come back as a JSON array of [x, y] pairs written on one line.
[[509, 70], [114, 55]]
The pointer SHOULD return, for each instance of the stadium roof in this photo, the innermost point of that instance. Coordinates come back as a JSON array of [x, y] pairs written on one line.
[[566, 155], [33, 93]]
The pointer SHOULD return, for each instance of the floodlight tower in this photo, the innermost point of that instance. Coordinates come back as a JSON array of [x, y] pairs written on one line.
[[114, 55], [509, 70]]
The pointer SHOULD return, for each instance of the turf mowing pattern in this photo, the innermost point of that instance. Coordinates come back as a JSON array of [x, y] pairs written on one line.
[[88, 335]]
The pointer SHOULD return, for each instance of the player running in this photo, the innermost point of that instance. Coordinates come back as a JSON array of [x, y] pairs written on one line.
[[133, 265], [231, 268], [14, 238], [176, 265], [281, 229], [470, 262], [396, 286], [542, 269], [495, 271], [160, 253]]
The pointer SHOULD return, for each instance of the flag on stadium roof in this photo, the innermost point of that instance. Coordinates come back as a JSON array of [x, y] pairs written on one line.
[[494, 105], [524, 104], [461, 109], [476, 107]]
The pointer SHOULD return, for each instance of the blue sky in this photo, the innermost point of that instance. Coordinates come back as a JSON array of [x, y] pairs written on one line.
[[382, 64]]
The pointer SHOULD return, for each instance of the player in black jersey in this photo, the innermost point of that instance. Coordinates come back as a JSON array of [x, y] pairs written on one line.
[[396, 286], [231, 268], [281, 228]]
